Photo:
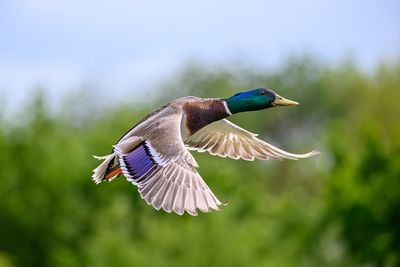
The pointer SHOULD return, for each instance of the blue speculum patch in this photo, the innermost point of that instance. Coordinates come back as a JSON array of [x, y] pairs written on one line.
[[139, 161]]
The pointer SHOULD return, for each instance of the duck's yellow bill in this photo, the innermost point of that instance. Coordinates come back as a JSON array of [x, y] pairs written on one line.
[[280, 101]]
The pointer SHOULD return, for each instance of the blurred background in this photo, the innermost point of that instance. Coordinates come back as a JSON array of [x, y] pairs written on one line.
[[75, 75]]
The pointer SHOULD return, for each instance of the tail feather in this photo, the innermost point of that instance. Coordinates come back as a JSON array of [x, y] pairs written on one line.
[[105, 169]]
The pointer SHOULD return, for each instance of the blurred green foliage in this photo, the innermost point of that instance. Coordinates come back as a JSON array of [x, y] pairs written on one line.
[[341, 208]]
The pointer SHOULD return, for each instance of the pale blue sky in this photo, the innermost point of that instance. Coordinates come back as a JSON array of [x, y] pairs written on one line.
[[129, 44]]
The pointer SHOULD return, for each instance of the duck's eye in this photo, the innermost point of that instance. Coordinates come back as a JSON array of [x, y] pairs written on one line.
[[262, 92]]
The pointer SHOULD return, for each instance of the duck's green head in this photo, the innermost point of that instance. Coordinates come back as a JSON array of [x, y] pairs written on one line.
[[256, 99]]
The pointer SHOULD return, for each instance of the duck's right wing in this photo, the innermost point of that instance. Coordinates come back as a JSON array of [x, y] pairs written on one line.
[[225, 139]]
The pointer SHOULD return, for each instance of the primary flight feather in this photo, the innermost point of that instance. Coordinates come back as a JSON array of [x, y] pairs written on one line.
[[154, 156]]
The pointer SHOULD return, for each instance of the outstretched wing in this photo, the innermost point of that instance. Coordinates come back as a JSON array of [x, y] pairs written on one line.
[[165, 173], [225, 139]]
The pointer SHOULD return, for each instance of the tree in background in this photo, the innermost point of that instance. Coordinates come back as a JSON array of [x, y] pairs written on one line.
[[340, 209]]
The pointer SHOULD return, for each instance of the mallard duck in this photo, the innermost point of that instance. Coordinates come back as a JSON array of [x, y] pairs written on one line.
[[154, 154]]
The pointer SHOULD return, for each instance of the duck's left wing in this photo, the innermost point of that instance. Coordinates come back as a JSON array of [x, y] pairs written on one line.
[[225, 139], [164, 171]]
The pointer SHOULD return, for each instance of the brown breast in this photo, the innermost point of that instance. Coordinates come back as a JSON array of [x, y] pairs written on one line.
[[201, 113]]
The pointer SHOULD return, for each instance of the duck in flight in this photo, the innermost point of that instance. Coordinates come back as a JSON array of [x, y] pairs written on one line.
[[154, 154]]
